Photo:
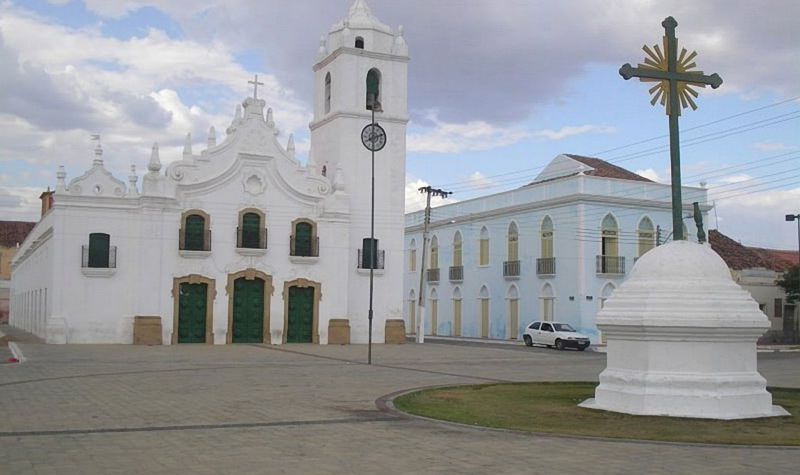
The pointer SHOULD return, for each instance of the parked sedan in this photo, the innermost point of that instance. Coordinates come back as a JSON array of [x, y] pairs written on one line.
[[560, 335]]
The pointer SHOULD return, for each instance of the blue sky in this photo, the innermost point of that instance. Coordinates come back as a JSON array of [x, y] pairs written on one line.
[[495, 91]]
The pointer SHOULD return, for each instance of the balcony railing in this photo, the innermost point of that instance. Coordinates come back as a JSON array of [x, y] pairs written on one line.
[[433, 275], [610, 265], [204, 246], [363, 259], [511, 269], [546, 266], [247, 241], [456, 273], [112, 258], [305, 248]]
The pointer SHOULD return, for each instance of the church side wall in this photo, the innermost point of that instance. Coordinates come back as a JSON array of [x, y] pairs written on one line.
[[31, 294]]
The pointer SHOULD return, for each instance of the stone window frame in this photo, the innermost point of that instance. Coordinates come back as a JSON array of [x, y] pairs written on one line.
[[269, 290], [314, 241], [302, 283], [211, 295], [262, 230], [206, 230]]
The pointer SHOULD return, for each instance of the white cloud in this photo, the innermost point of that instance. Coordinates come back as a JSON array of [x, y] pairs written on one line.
[[479, 181], [652, 175], [65, 88], [773, 146], [415, 200], [446, 137], [746, 216], [736, 178], [18, 203], [570, 130]]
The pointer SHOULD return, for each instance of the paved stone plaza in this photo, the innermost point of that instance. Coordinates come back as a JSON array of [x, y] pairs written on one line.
[[310, 409]]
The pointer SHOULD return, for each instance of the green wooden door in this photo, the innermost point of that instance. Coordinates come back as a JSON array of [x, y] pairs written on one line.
[[248, 311], [301, 314], [195, 228], [192, 313]]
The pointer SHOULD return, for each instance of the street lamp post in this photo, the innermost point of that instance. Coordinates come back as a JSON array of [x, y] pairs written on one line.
[[796, 217]]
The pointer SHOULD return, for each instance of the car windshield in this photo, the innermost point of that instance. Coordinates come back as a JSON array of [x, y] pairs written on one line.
[[563, 327]]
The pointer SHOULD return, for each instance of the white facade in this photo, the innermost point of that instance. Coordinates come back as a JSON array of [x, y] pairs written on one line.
[[161, 237], [575, 209]]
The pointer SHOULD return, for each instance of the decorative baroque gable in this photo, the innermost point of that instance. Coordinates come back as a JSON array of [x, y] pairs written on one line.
[[97, 181]]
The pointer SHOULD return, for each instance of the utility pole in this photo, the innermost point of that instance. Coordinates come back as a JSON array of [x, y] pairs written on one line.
[[421, 313]]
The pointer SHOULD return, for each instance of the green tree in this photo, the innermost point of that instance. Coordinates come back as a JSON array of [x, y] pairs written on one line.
[[790, 282]]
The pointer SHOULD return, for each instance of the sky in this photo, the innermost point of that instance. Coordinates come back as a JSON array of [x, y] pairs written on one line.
[[497, 89]]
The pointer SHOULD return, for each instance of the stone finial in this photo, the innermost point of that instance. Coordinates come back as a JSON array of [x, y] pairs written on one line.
[[212, 137], [400, 47], [132, 179], [322, 51], [61, 175], [237, 116], [270, 120], [290, 146], [187, 144], [155, 161], [98, 155]]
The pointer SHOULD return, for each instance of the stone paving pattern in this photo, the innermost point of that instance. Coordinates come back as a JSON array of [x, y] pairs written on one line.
[[310, 409]]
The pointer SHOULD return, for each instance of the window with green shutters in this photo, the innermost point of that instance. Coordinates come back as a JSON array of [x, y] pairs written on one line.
[[303, 239], [99, 250], [194, 233], [251, 231]]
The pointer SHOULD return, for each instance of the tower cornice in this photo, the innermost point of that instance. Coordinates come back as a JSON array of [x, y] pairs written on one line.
[[359, 52]]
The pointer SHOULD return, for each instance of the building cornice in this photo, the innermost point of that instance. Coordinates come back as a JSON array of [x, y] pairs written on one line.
[[366, 116], [359, 52], [551, 203]]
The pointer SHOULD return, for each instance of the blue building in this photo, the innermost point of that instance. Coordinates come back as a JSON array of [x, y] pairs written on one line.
[[554, 249]]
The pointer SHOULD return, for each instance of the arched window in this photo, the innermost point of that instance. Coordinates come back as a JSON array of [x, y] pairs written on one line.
[[433, 310], [456, 311], [610, 233], [195, 233], [457, 249], [327, 93], [548, 302], [513, 242], [646, 235], [359, 42], [99, 250], [483, 248], [251, 233], [374, 90], [483, 297], [304, 241], [608, 289], [434, 253], [412, 256], [547, 237], [412, 311], [609, 261], [513, 312]]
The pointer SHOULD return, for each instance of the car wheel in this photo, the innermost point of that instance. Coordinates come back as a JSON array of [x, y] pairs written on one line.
[[528, 341], [581, 348], [559, 345]]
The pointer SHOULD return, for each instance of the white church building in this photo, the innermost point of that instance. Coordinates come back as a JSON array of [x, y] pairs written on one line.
[[554, 249], [240, 242]]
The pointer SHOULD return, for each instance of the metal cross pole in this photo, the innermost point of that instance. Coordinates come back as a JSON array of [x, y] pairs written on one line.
[[255, 84], [674, 78], [421, 313]]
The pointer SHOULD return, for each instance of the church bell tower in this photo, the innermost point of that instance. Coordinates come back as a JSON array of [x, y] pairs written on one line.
[[361, 67]]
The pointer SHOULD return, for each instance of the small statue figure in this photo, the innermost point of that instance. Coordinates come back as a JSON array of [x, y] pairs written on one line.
[[698, 221]]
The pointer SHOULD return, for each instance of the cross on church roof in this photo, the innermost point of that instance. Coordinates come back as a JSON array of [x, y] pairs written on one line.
[[255, 84]]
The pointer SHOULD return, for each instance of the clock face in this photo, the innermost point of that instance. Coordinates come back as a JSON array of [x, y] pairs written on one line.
[[373, 137]]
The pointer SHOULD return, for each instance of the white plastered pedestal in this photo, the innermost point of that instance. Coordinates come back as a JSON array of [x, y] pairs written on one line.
[[681, 338]]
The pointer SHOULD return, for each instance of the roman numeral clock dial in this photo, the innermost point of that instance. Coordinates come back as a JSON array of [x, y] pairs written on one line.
[[373, 137]]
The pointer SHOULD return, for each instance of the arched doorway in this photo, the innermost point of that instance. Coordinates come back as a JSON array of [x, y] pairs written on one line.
[[249, 294], [301, 311], [193, 297]]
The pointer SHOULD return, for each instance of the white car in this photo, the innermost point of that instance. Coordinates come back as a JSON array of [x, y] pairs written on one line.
[[560, 335]]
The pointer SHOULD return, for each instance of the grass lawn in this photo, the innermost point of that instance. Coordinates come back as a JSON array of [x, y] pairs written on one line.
[[553, 408]]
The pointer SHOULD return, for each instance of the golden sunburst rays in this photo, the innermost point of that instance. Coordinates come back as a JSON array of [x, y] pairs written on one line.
[[657, 59]]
